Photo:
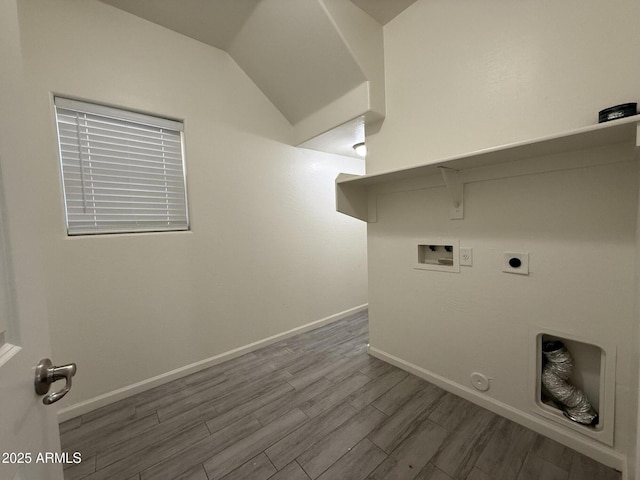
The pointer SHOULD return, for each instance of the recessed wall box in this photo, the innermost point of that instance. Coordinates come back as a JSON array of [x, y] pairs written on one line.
[[439, 255], [593, 372]]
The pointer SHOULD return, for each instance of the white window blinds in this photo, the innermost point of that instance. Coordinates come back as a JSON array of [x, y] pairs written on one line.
[[122, 171]]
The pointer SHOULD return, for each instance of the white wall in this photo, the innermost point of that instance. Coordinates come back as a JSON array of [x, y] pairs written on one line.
[[267, 252], [578, 227], [463, 76], [634, 462]]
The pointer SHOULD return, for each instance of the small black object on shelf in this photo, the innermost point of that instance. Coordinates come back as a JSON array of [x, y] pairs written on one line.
[[619, 111]]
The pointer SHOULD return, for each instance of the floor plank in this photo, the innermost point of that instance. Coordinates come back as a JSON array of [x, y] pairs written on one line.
[[451, 411], [300, 440], [535, 468], [293, 399], [328, 450], [356, 464], [477, 474], [125, 468], [413, 454], [465, 444], [431, 472], [313, 406], [293, 471], [101, 440], [377, 387], [553, 452], [133, 445], [80, 470], [174, 465], [399, 394], [227, 418], [334, 395], [195, 473], [584, 467], [399, 425], [506, 451], [238, 453], [258, 468]]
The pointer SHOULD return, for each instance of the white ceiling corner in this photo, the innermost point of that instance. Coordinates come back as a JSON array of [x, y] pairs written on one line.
[[214, 22], [339, 140], [293, 52], [383, 11], [289, 48]]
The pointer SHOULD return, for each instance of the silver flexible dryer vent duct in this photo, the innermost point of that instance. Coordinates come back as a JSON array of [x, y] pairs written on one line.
[[555, 373]]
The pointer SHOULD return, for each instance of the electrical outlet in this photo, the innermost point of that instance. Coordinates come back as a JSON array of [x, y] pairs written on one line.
[[466, 256], [516, 262]]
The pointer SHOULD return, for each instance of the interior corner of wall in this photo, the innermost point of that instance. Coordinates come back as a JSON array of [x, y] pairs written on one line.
[[373, 120], [364, 39], [353, 104]]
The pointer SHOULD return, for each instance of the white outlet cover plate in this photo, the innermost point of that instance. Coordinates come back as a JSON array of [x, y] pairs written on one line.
[[466, 257], [523, 269]]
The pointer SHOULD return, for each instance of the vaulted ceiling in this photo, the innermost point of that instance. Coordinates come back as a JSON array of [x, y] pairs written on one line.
[[320, 62]]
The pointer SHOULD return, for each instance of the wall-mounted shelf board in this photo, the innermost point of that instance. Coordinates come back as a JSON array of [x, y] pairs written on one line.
[[352, 191]]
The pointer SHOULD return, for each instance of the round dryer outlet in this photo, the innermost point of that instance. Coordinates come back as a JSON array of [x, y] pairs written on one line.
[[480, 381]]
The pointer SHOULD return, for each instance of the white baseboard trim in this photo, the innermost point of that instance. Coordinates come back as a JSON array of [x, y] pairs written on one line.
[[94, 403], [586, 446]]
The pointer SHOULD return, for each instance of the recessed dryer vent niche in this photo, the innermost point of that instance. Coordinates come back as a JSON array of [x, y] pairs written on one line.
[[592, 372], [439, 255]]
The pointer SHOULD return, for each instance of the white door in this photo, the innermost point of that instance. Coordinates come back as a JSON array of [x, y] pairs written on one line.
[[27, 426]]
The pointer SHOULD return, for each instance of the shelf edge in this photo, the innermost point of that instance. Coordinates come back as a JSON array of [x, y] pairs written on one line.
[[426, 167]]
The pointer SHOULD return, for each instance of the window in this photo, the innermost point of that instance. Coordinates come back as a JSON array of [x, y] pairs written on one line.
[[122, 171]]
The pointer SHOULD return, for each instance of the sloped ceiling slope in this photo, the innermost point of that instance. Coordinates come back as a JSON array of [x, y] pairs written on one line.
[[320, 62], [214, 22], [383, 10], [293, 52]]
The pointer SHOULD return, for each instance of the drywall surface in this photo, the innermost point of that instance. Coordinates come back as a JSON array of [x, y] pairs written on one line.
[[303, 64], [462, 76], [634, 461], [266, 252], [363, 38], [578, 227]]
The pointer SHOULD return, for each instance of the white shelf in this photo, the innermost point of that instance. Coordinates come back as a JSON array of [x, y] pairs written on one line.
[[352, 191]]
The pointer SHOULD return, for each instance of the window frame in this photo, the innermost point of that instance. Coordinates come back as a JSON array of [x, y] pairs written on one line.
[[130, 118]]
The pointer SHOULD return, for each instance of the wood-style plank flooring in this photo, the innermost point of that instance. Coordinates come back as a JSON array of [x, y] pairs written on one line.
[[314, 406]]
